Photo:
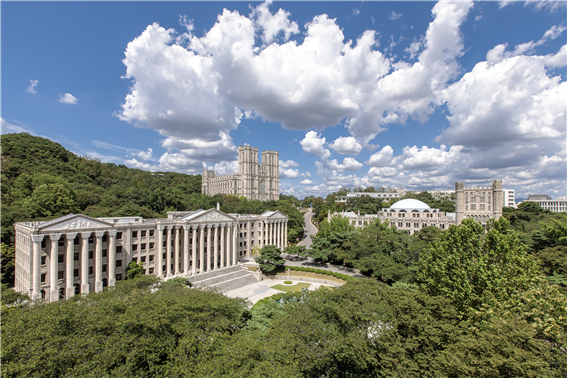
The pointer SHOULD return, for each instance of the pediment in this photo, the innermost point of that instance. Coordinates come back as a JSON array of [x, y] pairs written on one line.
[[75, 222], [212, 215], [277, 215]]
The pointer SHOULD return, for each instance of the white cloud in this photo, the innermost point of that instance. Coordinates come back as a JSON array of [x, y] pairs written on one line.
[[145, 155], [133, 163], [307, 182], [225, 168], [355, 12], [8, 128], [556, 60], [382, 158], [31, 88], [273, 24], [346, 146], [314, 144], [349, 164], [289, 173], [67, 98], [394, 16], [288, 163]]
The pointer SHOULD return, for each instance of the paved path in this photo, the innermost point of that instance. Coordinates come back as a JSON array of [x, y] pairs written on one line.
[[309, 230], [260, 290]]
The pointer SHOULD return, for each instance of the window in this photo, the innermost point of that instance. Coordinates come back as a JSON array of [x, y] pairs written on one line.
[[91, 270], [245, 244], [251, 234], [143, 233], [360, 223], [416, 225], [408, 224], [400, 224], [152, 245], [241, 234], [172, 254], [91, 239], [75, 272], [164, 256], [151, 270], [241, 244], [104, 252], [134, 247], [91, 254], [76, 241], [164, 232], [118, 262], [164, 244], [151, 257], [151, 232], [119, 277], [60, 258], [43, 275], [143, 246], [43, 260], [119, 235], [119, 249], [76, 256], [134, 234], [104, 267], [135, 259]]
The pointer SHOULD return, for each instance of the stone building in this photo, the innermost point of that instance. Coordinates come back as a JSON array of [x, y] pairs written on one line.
[[254, 181], [479, 203], [79, 254]]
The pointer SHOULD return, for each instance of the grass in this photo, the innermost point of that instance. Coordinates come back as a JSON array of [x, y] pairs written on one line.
[[298, 273], [296, 287]]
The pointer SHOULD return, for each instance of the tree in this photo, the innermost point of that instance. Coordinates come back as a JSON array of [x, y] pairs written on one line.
[[298, 250], [134, 270], [270, 258], [472, 267], [8, 258]]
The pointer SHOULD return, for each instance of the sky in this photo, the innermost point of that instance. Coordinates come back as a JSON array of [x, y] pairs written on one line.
[[385, 94]]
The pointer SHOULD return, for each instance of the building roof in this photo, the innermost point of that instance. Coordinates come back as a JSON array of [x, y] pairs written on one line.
[[410, 204]]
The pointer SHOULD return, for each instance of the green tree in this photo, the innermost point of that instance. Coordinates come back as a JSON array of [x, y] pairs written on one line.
[[298, 250], [270, 258], [8, 258], [134, 270]]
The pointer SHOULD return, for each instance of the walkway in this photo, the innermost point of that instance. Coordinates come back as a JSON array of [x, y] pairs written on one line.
[[309, 230], [260, 290]]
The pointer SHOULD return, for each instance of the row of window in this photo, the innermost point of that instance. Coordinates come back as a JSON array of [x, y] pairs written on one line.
[[77, 240], [76, 255], [61, 273]]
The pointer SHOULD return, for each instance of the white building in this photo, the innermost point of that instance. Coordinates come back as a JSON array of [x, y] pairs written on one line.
[[384, 196], [546, 203], [478, 203], [79, 254], [254, 181], [509, 198]]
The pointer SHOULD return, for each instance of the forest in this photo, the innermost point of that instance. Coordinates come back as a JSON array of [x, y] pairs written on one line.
[[464, 302]]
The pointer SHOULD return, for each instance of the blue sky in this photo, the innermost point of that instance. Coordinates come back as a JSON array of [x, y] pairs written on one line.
[[395, 94]]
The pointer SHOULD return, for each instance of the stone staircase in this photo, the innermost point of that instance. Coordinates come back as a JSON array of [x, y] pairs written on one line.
[[225, 279]]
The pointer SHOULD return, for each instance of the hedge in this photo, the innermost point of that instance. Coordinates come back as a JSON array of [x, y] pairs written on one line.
[[340, 276]]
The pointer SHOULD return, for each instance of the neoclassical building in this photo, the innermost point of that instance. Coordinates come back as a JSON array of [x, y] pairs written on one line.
[[79, 254], [479, 203], [254, 181]]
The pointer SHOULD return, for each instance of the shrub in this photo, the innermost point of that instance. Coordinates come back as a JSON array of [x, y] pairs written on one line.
[[287, 282]]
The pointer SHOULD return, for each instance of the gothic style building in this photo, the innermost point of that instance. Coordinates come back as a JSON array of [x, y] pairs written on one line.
[[412, 215], [254, 181], [79, 254]]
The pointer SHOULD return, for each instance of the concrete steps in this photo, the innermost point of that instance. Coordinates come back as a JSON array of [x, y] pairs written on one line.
[[225, 279]]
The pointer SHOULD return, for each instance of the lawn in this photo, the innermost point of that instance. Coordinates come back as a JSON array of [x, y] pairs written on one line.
[[287, 288]]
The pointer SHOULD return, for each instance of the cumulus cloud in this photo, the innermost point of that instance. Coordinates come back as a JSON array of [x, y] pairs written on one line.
[[307, 182], [67, 98], [288, 163], [381, 158], [31, 88], [314, 144], [273, 24], [346, 146], [145, 155], [290, 173], [349, 164]]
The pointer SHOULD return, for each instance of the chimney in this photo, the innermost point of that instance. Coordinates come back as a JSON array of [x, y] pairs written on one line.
[[218, 206]]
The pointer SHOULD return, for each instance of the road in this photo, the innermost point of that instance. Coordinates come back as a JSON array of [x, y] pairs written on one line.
[[309, 230]]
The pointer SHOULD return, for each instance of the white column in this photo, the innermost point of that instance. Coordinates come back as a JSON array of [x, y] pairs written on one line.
[[194, 251], [53, 269], [85, 262], [112, 258], [234, 247], [160, 250], [215, 245], [277, 234], [261, 233], [285, 234], [36, 278], [208, 265], [269, 233], [222, 245], [176, 260], [98, 261], [69, 265], [201, 249], [186, 249], [168, 251], [280, 234]]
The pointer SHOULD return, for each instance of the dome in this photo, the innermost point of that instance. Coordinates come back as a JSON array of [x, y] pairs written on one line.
[[408, 204]]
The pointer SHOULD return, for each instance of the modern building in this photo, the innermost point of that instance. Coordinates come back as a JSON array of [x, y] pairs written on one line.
[[479, 203], [546, 203], [384, 196], [254, 181], [78, 254], [509, 198]]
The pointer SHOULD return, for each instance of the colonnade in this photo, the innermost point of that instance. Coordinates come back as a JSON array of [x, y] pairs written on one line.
[[208, 246], [276, 233], [53, 256]]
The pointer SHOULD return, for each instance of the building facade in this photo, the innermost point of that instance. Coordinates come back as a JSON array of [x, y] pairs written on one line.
[[557, 206], [79, 254], [479, 203], [384, 196], [509, 198], [254, 181]]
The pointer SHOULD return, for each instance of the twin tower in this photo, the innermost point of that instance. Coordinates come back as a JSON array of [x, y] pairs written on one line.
[[256, 181]]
